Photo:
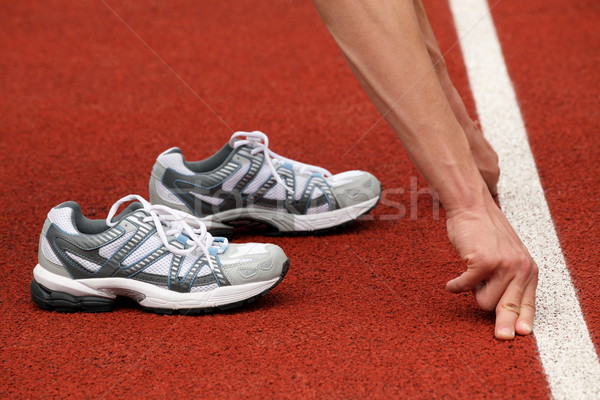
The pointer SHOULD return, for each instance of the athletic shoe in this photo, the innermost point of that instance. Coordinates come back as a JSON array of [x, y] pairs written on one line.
[[162, 258], [246, 182]]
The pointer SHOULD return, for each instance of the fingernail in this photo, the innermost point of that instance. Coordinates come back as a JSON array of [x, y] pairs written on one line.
[[525, 328], [505, 334]]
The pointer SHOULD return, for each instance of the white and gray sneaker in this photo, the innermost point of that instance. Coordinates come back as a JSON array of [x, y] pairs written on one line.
[[160, 257], [246, 182]]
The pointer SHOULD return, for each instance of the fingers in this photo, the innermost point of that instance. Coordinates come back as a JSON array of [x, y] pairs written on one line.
[[507, 312], [500, 270], [489, 294], [525, 320], [468, 281], [509, 308]]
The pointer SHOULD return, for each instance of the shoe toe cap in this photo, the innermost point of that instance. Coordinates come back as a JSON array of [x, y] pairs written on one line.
[[354, 187], [253, 262]]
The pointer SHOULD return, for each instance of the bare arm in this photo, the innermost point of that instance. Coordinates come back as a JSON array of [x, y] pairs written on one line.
[[385, 47], [485, 156]]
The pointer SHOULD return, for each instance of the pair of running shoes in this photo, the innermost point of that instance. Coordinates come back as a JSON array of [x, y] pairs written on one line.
[[165, 254]]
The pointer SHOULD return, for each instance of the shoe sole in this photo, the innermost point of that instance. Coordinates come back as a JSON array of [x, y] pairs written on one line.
[[48, 291], [278, 223]]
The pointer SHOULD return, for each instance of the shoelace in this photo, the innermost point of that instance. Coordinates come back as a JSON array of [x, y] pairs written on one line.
[[260, 143], [177, 223]]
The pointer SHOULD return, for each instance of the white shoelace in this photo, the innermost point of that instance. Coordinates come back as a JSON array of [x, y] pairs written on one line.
[[176, 223], [260, 143]]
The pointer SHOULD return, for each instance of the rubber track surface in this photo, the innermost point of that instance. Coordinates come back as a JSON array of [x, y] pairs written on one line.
[[558, 93], [86, 107]]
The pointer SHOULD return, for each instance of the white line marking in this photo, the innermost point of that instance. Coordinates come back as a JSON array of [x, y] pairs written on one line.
[[566, 350]]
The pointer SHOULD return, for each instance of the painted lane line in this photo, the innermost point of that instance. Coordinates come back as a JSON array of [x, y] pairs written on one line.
[[565, 348]]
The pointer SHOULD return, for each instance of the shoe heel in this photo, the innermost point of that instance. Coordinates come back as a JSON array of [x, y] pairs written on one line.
[[64, 302]]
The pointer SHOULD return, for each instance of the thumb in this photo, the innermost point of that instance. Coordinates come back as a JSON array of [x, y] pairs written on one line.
[[468, 281]]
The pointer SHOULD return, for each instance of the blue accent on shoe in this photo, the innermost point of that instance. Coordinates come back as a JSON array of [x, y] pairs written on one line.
[[288, 165], [222, 244], [213, 251], [182, 239]]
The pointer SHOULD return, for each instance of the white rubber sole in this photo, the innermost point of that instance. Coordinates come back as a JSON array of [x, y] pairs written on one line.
[[148, 295], [285, 222]]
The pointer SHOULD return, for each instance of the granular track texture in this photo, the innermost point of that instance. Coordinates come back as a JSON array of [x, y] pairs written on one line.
[[93, 91]]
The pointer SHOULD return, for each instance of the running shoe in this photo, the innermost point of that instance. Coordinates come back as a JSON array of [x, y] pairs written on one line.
[[162, 258], [246, 182]]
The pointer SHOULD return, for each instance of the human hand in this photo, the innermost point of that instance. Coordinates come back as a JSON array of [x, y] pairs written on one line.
[[500, 272]]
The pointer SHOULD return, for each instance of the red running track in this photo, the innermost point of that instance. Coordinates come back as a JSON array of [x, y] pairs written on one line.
[[86, 107], [558, 90]]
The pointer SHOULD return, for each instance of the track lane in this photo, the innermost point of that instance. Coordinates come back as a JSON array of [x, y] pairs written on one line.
[[564, 343], [361, 314], [558, 93]]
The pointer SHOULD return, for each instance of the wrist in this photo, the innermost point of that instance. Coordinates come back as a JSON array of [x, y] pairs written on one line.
[[463, 191]]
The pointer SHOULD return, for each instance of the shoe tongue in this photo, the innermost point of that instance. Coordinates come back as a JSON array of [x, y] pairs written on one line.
[[245, 146]]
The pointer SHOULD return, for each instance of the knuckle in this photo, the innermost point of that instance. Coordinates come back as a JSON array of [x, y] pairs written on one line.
[[491, 261], [519, 265], [523, 261], [528, 304], [523, 267], [484, 260], [471, 259], [509, 306]]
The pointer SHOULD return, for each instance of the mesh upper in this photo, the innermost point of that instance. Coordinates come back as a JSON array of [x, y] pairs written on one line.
[[87, 255], [316, 193], [149, 246], [318, 209], [110, 249], [205, 270], [175, 162], [63, 218], [261, 177], [186, 265], [233, 179], [160, 267], [204, 288], [300, 187], [277, 192], [304, 184]]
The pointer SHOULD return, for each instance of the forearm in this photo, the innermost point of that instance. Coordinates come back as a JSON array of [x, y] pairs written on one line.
[[437, 58], [383, 44]]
